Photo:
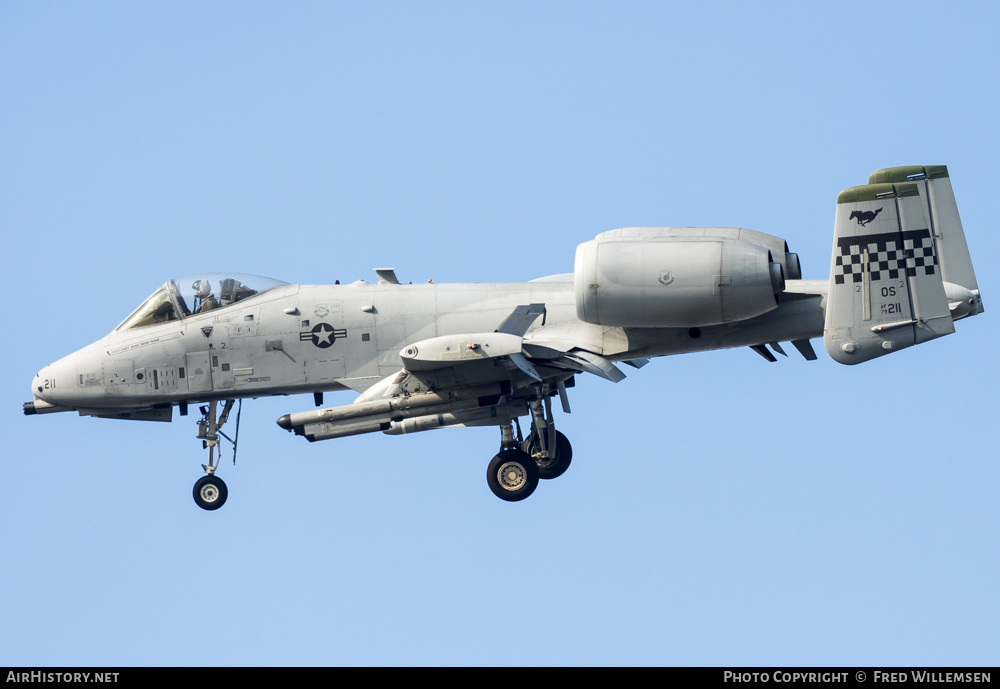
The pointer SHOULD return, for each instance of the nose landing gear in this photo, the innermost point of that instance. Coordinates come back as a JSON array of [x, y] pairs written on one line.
[[210, 491]]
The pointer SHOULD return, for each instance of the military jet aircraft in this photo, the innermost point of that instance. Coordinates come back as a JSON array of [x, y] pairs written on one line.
[[431, 356]]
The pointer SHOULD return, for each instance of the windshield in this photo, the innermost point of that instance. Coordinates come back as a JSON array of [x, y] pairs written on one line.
[[197, 293]]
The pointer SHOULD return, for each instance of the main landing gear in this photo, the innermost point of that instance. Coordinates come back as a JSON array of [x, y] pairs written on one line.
[[210, 491], [514, 472]]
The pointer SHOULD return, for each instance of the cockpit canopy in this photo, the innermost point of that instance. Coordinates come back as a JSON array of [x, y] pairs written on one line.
[[197, 293]]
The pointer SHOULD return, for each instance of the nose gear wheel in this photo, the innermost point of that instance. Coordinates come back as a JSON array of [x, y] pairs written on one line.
[[210, 492]]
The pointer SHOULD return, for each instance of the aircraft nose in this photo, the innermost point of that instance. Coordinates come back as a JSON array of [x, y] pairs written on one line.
[[54, 383], [37, 392], [61, 383], [39, 386]]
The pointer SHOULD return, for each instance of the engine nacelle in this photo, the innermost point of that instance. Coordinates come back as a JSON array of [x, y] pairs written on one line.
[[674, 281]]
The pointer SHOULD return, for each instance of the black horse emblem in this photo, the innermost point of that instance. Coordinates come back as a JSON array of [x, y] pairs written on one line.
[[864, 217]]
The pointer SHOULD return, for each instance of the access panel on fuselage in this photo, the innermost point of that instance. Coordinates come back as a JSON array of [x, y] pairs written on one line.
[[199, 372]]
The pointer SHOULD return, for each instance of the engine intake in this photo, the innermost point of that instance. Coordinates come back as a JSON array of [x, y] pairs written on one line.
[[671, 281]]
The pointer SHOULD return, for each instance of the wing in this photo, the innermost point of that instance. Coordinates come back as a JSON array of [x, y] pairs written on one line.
[[468, 379]]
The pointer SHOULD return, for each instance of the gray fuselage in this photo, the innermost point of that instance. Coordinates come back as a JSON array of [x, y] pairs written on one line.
[[297, 339]]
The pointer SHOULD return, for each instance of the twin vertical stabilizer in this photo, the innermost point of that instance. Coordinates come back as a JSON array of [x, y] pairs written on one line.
[[901, 272]]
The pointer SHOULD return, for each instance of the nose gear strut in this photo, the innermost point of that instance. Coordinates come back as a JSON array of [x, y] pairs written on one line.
[[210, 491]]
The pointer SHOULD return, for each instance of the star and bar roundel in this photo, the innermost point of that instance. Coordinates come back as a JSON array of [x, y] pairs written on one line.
[[322, 335]]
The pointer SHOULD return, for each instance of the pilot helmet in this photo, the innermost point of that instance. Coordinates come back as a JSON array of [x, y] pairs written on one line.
[[202, 288]]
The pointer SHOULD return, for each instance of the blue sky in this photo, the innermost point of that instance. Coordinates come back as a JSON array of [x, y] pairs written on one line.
[[720, 510]]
